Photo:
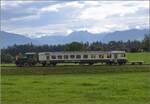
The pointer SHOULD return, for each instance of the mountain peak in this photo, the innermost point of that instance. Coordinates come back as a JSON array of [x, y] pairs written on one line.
[[9, 39]]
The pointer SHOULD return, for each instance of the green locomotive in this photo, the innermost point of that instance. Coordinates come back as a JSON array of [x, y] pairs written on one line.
[[28, 59]]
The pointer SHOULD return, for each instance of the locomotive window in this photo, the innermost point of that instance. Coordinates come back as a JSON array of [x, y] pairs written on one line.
[[78, 56], [59, 57], [93, 56], [101, 56], [108, 55], [47, 57], [85, 56], [65, 56], [53, 57], [72, 56]]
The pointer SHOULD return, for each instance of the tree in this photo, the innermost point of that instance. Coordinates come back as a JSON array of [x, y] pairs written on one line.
[[146, 43], [74, 46], [6, 58]]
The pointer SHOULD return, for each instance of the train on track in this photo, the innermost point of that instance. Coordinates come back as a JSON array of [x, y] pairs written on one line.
[[87, 57]]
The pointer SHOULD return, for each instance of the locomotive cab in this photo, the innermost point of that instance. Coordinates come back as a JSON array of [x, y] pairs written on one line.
[[28, 59]]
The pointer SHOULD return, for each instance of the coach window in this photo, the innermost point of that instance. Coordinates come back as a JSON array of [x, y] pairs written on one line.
[[93, 56], [85, 56], [53, 57], [59, 56], [108, 55], [101, 56], [71, 56], [123, 55], [65, 56], [47, 57], [78, 56]]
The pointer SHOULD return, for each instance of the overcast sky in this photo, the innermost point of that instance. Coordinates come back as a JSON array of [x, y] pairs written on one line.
[[38, 18]]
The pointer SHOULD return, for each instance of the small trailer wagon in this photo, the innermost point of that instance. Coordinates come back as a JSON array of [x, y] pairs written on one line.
[[136, 62]]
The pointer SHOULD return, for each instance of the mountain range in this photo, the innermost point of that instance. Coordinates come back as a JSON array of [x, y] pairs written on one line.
[[9, 39]]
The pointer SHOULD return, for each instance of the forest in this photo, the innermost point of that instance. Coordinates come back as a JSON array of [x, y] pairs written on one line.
[[8, 54]]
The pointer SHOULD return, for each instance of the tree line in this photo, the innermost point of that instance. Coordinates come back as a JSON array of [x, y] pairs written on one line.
[[8, 54]]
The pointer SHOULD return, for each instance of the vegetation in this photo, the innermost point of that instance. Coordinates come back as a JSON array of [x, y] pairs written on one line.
[[139, 56], [8, 54], [108, 88], [77, 84], [73, 69]]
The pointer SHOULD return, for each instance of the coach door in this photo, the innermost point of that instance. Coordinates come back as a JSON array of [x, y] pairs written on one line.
[[115, 57]]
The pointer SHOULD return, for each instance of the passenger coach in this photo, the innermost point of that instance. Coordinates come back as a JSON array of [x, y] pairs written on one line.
[[88, 57]]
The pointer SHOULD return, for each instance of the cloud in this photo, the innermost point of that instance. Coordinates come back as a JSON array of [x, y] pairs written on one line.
[[66, 16], [26, 18], [62, 29], [57, 7], [110, 8], [10, 4], [50, 8], [112, 16]]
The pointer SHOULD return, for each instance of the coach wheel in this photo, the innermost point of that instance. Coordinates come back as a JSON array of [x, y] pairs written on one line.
[[54, 64], [91, 63], [120, 63], [109, 63], [43, 64]]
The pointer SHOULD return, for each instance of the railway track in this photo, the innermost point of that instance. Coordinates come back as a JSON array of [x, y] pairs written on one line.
[[73, 65]]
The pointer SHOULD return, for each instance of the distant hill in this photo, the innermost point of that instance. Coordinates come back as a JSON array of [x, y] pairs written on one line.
[[133, 34], [84, 36], [78, 36], [8, 39]]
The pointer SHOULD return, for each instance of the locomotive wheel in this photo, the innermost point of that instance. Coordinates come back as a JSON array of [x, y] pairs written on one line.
[[26, 64]]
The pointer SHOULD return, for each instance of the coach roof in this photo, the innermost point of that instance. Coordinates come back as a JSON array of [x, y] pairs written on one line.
[[81, 52]]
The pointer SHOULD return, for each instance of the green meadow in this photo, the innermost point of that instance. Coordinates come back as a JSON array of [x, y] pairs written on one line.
[[118, 88], [139, 56], [76, 85]]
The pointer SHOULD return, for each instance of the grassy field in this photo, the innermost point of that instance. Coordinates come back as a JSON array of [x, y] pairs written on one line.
[[122, 88], [73, 69], [140, 56], [76, 85]]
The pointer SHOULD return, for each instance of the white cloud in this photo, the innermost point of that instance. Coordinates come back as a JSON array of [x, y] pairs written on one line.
[[57, 7], [74, 4], [9, 4], [26, 18], [45, 30], [112, 16], [105, 10], [50, 8], [92, 16]]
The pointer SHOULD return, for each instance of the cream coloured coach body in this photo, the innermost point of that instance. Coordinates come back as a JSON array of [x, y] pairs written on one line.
[[94, 56]]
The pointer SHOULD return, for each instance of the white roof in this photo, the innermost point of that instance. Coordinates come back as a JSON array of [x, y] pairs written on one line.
[[81, 52]]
